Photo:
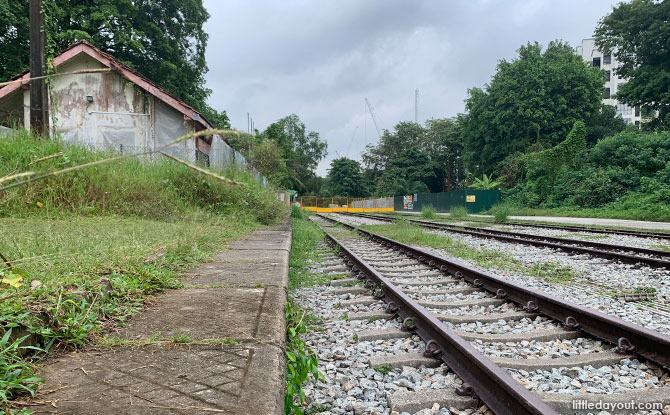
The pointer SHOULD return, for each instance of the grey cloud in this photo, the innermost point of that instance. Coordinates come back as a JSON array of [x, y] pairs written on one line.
[[320, 58]]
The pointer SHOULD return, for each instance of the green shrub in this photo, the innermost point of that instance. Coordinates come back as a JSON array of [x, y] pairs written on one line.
[[458, 212], [296, 213], [500, 213], [428, 212]]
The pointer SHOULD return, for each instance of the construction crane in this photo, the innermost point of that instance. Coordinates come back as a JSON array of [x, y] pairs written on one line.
[[374, 119], [351, 141]]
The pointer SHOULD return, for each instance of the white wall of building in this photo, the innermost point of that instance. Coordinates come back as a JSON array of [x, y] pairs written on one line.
[[609, 64]]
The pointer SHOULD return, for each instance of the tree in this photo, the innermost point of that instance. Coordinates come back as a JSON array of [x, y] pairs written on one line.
[[413, 171], [345, 178], [302, 150], [445, 144], [639, 34], [391, 146], [14, 45], [534, 99], [603, 123], [164, 40]]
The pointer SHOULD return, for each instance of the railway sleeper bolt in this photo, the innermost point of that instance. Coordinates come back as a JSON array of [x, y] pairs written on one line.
[[379, 293], [443, 268], [531, 307], [369, 283], [350, 263], [360, 276], [624, 346], [355, 268], [422, 258], [408, 324], [432, 349], [459, 275], [431, 263], [571, 323], [464, 389], [391, 308], [500, 293], [477, 283]]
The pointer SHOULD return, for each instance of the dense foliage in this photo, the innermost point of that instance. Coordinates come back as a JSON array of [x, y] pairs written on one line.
[[639, 33], [345, 178], [164, 40], [630, 170], [532, 100], [301, 149], [416, 159]]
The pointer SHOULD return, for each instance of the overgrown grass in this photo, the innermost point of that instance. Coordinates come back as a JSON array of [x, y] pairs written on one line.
[[415, 235], [88, 246], [428, 212], [155, 188], [306, 238], [500, 213], [458, 212]]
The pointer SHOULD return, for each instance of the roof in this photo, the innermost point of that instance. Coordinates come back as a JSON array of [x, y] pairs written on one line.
[[115, 65]]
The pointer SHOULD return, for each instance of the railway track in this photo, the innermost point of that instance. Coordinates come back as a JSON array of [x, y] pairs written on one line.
[[575, 228], [442, 300], [628, 254]]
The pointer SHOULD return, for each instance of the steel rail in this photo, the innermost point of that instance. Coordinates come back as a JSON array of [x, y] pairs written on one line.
[[491, 383], [628, 337], [599, 249], [628, 232]]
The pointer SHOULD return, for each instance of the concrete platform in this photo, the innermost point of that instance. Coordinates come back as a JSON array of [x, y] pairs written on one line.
[[230, 359]]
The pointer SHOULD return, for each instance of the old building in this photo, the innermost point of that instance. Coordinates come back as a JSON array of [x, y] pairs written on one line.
[[114, 108]]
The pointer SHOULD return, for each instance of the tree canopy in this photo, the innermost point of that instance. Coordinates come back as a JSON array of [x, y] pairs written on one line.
[[301, 149], [345, 178], [164, 40], [536, 98], [638, 33]]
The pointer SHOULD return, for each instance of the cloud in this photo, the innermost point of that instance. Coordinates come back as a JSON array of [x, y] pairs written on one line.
[[320, 59]]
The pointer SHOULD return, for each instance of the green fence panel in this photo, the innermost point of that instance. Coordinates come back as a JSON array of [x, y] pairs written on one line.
[[473, 200]]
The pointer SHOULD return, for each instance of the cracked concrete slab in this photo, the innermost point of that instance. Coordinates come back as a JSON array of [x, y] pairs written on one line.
[[230, 318]]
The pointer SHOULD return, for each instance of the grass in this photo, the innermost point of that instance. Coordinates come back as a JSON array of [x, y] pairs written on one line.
[[383, 369], [661, 247], [428, 212], [573, 235], [500, 213], [134, 224], [306, 237], [415, 235], [458, 213]]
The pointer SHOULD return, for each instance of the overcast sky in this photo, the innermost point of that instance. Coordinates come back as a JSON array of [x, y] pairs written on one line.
[[320, 58]]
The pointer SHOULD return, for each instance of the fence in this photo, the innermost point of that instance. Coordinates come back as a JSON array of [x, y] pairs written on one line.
[[346, 204], [473, 200]]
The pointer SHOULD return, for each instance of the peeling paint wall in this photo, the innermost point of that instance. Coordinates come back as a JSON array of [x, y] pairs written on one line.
[[121, 116]]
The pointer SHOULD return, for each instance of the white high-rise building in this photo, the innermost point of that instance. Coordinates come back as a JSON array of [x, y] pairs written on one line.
[[608, 63]]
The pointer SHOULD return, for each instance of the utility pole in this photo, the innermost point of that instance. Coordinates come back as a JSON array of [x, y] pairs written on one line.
[[416, 106], [39, 104]]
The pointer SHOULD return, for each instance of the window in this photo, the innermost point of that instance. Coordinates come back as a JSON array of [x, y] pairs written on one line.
[[606, 94], [637, 110], [637, 124], [596, 63], [607, 75], [623, 109], [607, 59]]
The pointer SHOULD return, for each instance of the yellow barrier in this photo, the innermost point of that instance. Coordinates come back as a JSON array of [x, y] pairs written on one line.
[[343, 204]]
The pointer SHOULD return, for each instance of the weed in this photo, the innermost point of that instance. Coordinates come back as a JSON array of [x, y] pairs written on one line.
[[428, 212], [306, 237], [372, 319], [180, 337], [301, 361], [16, 374], [500, 213], [383, 369], [458, 212], [661, 247], [259, 285], [296, 213], [345, 317], [316, 409], [355, 338], [552, 272]]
